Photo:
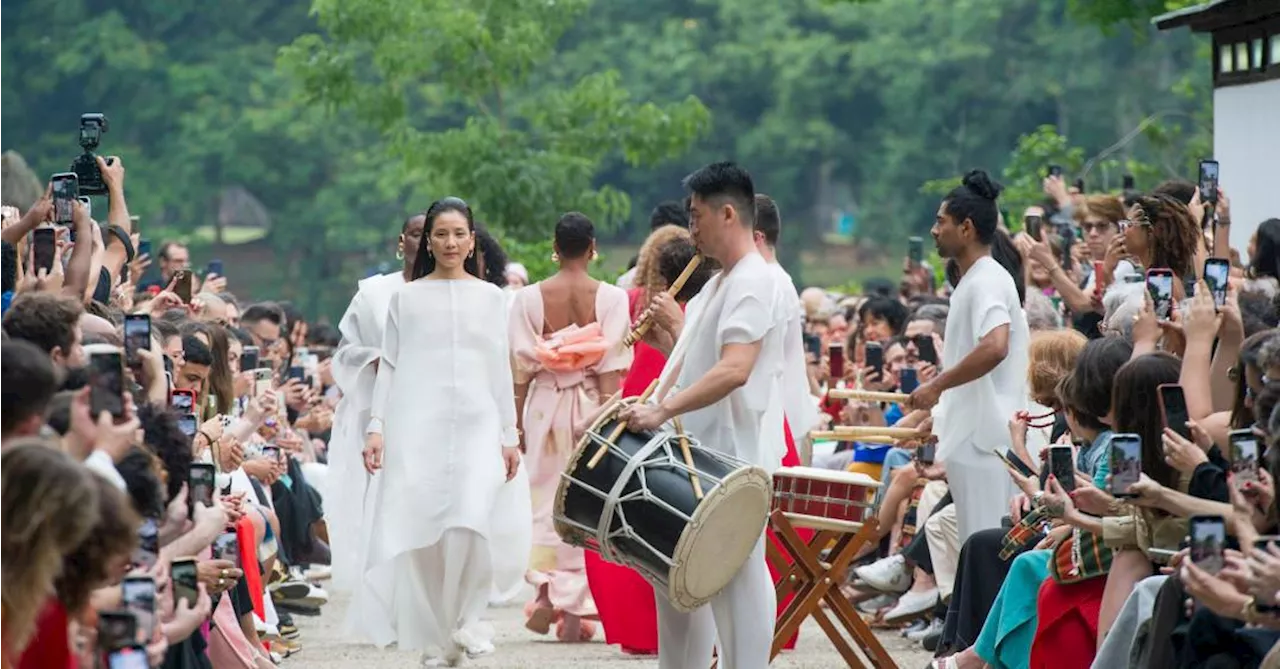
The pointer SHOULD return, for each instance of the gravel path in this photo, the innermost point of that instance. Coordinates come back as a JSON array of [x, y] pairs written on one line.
[[517, 647]]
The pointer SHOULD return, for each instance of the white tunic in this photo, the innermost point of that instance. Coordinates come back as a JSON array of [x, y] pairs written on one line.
[[972, 420], [740, 308], [445, 405], [354, 374], [797, 402]]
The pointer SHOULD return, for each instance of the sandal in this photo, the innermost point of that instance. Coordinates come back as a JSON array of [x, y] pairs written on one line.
[[538, 619]]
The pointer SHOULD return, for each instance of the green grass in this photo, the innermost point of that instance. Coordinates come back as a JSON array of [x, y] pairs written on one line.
[[230, 235]]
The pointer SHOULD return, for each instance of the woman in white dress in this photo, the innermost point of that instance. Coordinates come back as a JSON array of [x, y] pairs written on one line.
[[355, 367], [441, 441]]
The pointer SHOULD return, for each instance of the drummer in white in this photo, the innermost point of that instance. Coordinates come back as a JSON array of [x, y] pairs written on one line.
[[726, 360]]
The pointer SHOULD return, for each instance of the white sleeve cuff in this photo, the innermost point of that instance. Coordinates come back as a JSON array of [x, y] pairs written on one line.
[[101, 463], [375, 426], [510, 437]]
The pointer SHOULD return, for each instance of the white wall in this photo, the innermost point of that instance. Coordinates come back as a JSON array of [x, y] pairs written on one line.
[[1246, 143]]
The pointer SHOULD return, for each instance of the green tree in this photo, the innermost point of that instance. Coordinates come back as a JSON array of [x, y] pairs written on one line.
[[447, 85]]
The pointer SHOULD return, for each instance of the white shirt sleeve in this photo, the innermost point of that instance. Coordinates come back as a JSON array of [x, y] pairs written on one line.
[[386, 365], [748, 310], [503, 383], [100, 463], [990, 302]]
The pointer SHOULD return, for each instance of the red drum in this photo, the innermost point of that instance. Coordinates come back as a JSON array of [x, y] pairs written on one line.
[[823, 498]]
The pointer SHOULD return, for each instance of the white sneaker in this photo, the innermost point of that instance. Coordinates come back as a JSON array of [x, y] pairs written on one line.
[[913, 604], [886, 575], [318, 572], [473, 644], [876, 603]]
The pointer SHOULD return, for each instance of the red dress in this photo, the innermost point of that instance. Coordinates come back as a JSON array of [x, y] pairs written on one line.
[[1067, 624], [50, 645], [624, 599]]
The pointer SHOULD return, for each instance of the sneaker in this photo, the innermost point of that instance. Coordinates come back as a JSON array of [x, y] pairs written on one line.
[[890, 575], [933, 627], [472, 644], [876, 603], [288, 631], [914, 627], [318, 572], [298, 592], [913, 604]]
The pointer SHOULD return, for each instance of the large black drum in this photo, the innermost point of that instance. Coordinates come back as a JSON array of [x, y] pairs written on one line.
[[638, 507]]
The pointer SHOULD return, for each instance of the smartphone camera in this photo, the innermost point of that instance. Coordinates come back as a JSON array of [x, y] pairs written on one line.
[[106, 378], [1062, 467], [1160, 285], [925, 453], [1126, 463], [66, 188], [1244, 455], [908, 381], [85, 165], [1217, 276], [1209, 181], [44, 242], [1208, 540]]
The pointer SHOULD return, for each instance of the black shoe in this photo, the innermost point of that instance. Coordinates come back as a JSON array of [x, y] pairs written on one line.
[[931, 642], [300, 609]]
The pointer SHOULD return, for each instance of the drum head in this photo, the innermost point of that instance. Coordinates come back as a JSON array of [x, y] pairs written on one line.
[[725, 529]]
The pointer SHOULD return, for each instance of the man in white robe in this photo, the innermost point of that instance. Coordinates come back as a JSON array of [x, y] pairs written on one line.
[[798, 393], [354, 371], [983, 381], [726, 363]]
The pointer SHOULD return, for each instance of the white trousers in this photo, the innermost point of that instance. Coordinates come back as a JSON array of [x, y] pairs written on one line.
[[944, 548], [742, 615]]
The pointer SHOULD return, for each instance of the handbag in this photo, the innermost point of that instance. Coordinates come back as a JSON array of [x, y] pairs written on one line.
[[1080, 557], [228, 647]]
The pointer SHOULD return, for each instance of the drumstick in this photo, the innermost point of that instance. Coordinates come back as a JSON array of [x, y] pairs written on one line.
[[617, 431], [866, 395], [828, 435], [646, 321], [688, 459], [857, 431]]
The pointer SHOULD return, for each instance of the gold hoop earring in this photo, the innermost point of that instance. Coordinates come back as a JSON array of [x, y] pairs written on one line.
[[400, 252], [555, 257]]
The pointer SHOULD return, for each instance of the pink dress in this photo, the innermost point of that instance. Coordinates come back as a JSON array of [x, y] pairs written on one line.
[[563, 368]]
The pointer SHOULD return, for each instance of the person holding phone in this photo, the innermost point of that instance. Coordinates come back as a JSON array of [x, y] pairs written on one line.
[[443, 370], [984, 357]]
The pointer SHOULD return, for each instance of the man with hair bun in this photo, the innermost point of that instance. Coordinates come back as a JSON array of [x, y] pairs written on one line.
[[984, 357]]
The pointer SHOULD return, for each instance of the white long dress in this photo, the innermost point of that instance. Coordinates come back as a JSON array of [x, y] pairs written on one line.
[[354, 373], [445, 406]]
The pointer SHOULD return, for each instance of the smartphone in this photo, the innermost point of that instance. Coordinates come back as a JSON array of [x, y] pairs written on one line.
[[1080, 186], [1160, 556], [129, 657], [908, 381], [144, 247], [189, 423], [835, 360], [1173, 405], [44, 248], [66, 186], [261, 380], [915, 251], [1160, 286], [117, 629], [184, 401], [1208, 182], [1063, 467], [106, 378], [1034, 225], [873, 356], [227, 547], [1012, 461], [148, 550], [1099, 271], [182, 285], [1127, 182], [200, 486], [137, 334], [1126, 463], [300, 373], [925, 453], [1208, 539], [925, 350], [1217, 274], [1068, 240], [1244, 454], [139, 596], [185, 580], [214, 268], [249, 358], [1055, 170], [812, 346], [88, 204]]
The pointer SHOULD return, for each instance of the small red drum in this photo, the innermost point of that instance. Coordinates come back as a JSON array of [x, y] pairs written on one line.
[[823, 498]]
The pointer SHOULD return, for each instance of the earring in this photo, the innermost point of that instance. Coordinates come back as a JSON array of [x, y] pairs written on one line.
[[400, 252], [594, 255], [429, 250], [472, 254], [555, 257]]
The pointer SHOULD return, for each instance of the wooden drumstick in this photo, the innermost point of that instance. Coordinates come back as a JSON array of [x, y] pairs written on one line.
[[617, 431], [835, 436], [858, 431], [642, 326], [688, 459], [866, 395]]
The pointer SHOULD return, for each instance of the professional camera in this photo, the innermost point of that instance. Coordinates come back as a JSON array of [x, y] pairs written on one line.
[[86, 165]]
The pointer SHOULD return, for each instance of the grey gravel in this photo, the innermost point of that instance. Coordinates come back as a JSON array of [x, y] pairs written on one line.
[[517, 647]]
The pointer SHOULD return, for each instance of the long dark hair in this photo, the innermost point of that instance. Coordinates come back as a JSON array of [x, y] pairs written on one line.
[[425, 262], [491, 259], [1135, 407], [1266, 254]]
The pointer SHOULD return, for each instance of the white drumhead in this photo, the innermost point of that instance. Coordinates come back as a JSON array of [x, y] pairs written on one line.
[[724, 531], [832, 475]]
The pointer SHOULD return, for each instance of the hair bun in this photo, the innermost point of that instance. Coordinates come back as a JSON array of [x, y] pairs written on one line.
[[981, 184]]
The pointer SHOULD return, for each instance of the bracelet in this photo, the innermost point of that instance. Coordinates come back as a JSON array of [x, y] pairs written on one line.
[[1249, 612]]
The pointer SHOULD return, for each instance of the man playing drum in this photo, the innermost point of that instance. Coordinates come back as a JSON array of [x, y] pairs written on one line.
[[724, 369]]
